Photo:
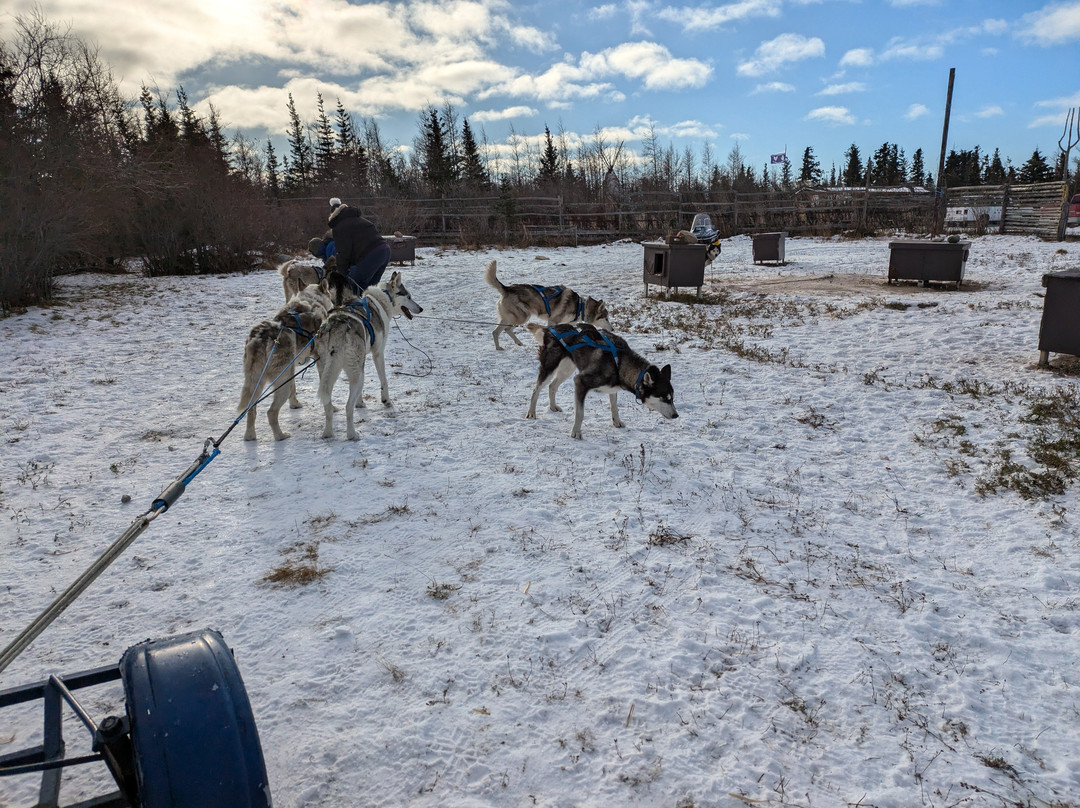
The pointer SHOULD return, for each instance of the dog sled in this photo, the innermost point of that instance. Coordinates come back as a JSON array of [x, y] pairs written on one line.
[[186, 737]]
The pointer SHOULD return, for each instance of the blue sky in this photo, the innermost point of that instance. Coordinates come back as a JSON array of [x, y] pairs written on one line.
[[767, 75]]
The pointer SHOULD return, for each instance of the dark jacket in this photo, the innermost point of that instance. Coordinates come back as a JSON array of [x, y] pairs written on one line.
[[354, 236]]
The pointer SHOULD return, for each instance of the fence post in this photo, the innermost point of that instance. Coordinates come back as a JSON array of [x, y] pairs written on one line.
[[1004, 208]]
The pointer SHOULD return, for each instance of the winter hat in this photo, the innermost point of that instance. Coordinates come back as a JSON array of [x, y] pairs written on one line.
[[334, 203], [314, 246]]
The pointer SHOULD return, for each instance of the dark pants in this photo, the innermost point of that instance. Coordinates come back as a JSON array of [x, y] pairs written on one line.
[[368, 271]]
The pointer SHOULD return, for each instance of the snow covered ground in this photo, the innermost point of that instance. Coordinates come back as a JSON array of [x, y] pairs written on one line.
[[847, 574]]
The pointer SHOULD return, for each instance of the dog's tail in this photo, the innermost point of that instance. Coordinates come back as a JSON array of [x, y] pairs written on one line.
[[284, 269], [493, 281], [538, 330]]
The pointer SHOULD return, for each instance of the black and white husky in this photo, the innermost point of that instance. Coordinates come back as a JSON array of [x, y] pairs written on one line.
[[275, 349], [359, 325], [553, 304], [603, 362]]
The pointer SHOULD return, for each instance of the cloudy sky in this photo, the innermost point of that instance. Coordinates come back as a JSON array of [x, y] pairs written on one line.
[[769, 75]]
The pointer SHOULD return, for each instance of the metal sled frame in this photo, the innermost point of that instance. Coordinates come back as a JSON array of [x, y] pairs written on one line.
[[188, 739]]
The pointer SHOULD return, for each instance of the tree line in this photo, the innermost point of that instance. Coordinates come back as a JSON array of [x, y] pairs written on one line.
[[88, 177]]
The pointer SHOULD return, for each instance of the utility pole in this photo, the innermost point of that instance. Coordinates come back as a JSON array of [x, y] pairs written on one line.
[[939, 189]]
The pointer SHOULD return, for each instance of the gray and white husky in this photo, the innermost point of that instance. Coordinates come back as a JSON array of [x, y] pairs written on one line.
[[553, 304], [275, 348], [603, 362], [359, 325]]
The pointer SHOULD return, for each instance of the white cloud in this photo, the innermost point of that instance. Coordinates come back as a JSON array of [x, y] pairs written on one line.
[[704, 19], [650, 63], [774, 54], [914, 51], [1060, 110], [775, 87], [916, 111], [990, 111], [509, 113], [561, 83], [607, 11], [1052, 25], [841, 89], [833, 115], [739, 136], [857, 57]]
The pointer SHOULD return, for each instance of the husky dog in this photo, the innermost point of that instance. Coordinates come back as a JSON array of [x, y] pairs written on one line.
[[555, 304], [605, 363], [295, 277], [358, 326], [275, 346]]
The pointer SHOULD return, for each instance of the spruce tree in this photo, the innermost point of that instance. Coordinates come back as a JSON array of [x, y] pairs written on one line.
[[853, 173], [918, 170], [435, 165], [810, 172], [1036, 169], [473, 173], [995, 170], [549, 160], [324, 152], [272, 182], [298, 167]]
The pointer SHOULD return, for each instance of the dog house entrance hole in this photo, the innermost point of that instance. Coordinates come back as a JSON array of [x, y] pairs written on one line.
[[658, 263]]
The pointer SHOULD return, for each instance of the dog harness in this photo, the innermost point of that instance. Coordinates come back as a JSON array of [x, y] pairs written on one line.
[[582, 340], [298, 329], [547, 294], [364, 316], [564, 334]]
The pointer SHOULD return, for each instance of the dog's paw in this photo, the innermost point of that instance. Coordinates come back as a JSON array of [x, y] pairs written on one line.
[[295, 405], [353, 435], [282, 436], [618, 424], [555, 408]]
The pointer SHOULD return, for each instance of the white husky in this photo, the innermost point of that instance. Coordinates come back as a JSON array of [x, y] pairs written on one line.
[[360, 325]]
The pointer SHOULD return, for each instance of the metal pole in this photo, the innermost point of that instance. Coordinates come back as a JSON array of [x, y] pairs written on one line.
[[939, 189]]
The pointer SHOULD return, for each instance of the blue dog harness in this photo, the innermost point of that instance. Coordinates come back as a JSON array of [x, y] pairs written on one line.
[[364, 316], [581, 340], [298, 329], [547, 294]]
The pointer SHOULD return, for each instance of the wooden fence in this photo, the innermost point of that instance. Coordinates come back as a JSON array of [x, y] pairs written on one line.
[[511, 219], [1037, 209]]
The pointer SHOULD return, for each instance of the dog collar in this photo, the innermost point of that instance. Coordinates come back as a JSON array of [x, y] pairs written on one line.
[[639, 386]]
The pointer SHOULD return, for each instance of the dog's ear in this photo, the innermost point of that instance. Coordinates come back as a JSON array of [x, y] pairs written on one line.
[[665, 373], [395, 279]]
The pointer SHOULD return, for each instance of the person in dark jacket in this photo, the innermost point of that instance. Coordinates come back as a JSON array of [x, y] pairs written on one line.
[[361, 252]]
